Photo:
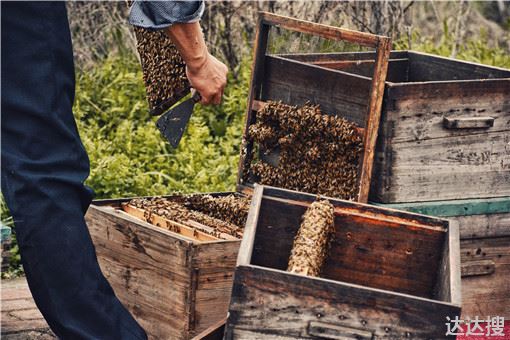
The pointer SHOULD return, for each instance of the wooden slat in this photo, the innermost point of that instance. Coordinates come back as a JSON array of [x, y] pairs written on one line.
[[428, 67], [487, 294], [476, 268], [477, 218], [214, 332], [459, 167], [325, 31], [213, 265], [170, 225], [271, 303], [250, 230], [374, 115], [296, 83]]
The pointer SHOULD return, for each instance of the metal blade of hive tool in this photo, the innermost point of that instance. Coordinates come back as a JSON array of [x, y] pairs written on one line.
[[173, 123]]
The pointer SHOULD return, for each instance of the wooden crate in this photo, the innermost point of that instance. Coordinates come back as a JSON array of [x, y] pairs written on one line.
[[357, 99], [390, 274], [484, 248], [444, 130], [174, 286]]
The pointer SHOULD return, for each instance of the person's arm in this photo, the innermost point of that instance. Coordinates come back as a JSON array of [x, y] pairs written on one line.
[[206, 74], [180, 19]]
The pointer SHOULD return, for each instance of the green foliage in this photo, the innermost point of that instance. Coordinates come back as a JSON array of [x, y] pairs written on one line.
[[475, 49], [127, 154]]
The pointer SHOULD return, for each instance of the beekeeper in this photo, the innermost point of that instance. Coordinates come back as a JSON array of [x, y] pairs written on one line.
[[44, 163]]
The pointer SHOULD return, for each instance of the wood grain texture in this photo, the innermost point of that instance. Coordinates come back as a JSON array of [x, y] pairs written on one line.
[[325, 31], [174, 286], [213, 266], [337, 93], [400, 258], [374, 115], [147, 270], [289, 303], [487, 294], [460, 167]]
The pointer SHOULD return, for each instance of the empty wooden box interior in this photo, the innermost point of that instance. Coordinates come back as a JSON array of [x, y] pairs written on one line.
[[389, 274], [444, 130]]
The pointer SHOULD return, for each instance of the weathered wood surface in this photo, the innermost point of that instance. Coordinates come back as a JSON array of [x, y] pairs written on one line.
[[295, 83], [214, 332], [325, 31], [400, 258], [147, 270], [428, 67], [213, 269], [469, 166], [174, 286], [272, 304], [448, 284], [477, 218], [487, 293]]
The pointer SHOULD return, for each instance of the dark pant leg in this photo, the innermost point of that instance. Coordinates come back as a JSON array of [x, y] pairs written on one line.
[[44, 165]]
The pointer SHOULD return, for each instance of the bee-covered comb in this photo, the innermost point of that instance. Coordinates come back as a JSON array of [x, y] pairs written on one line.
[[164, 71]]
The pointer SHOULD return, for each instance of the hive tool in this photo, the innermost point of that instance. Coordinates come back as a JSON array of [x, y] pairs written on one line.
[[173, 122]]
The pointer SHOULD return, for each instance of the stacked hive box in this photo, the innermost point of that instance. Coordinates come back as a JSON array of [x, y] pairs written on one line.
[[443, 149]]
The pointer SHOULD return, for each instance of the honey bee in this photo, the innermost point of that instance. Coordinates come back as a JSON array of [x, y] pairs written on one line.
[[164, 71], [318, 153], [312, 241]]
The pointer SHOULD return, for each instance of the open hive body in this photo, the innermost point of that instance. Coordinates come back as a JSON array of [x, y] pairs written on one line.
[[175, 282], [389, 274]]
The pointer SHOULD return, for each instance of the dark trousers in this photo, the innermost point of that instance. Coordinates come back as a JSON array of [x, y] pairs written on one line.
[[44, 165]]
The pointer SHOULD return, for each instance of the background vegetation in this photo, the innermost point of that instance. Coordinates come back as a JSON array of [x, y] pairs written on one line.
[[127, 155]]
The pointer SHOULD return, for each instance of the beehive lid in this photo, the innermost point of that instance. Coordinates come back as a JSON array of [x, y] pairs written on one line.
[[275, 78]]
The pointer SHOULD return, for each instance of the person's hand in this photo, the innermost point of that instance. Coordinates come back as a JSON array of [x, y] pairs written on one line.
[[206, 74], [209, 79]]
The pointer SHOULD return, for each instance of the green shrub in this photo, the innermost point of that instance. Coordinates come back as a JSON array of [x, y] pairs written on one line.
[[127, 154], [477, 49]]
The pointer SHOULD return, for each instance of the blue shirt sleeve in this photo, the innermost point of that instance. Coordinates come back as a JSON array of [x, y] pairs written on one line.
[[161, 14]]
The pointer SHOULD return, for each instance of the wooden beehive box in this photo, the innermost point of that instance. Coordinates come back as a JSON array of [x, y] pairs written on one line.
[[389, 274], [357, 99], [178, 287], [175, 285], [444, 130], [484, 249]]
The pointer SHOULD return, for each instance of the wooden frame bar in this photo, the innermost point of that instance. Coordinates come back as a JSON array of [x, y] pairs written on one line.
[[381, 44]]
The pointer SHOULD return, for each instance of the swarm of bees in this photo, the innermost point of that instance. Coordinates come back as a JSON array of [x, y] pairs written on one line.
[[312, 241], [317, 152], [226, 216], [164, 71], [230, 208]]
